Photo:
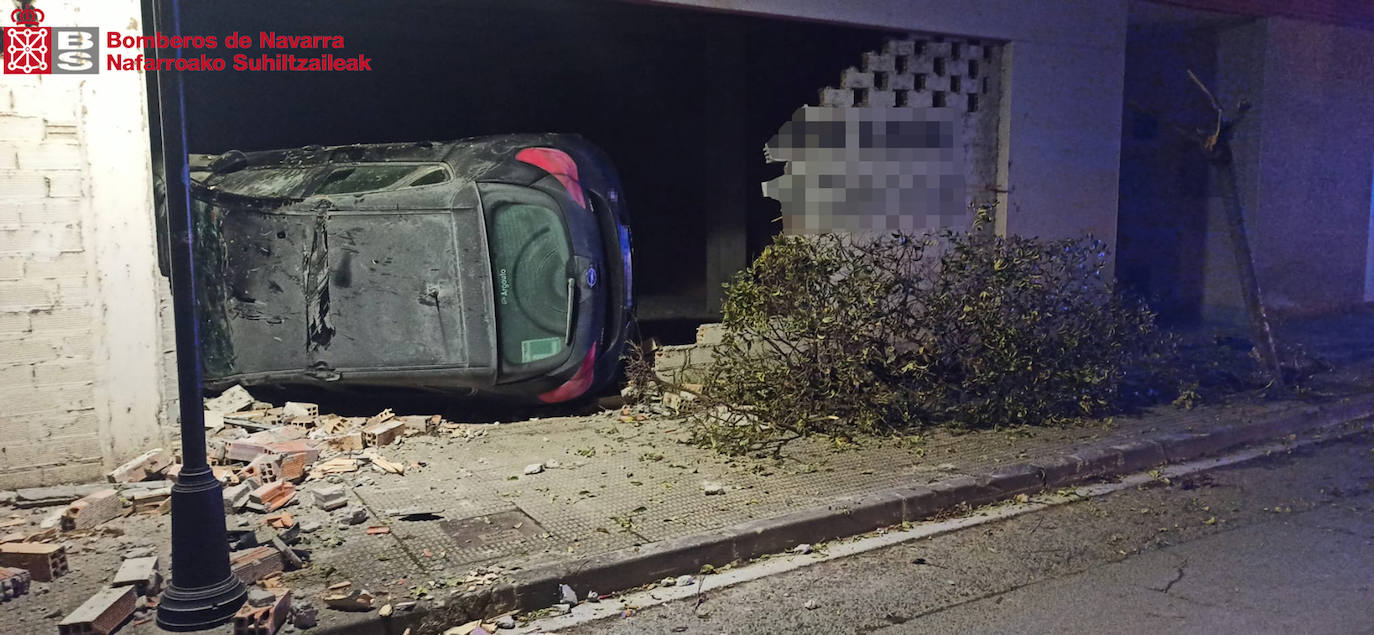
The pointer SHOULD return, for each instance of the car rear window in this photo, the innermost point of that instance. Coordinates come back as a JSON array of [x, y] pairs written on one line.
[[530, 254]]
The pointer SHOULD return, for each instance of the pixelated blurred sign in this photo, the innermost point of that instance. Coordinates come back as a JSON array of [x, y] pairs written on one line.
[[869, 169]]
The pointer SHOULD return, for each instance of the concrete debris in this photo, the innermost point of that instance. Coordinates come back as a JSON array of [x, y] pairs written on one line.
[[534, 468], [231, 400], [811, 605], [505, 622], [355, 517], [593, 597], [7, 497], [236, 497], [45, 562], [14, 582], [385, 611], [566, 594], [141, 573], [146, 465], [213, 420], [562, 608], [802, 549], [668, 582], [685, 580], [304, 616], [329, 498], [293, 409], [102, 613], [258, 596], [310, 527], [54, 495], [357, 600], [263, 619], [337, 465], [92, 509], [711, 488]]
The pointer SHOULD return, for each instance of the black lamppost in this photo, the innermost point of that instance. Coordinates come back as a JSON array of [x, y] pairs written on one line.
[[203, 592]]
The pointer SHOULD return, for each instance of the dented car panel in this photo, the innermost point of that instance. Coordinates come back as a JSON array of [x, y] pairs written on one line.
[[373, 266]]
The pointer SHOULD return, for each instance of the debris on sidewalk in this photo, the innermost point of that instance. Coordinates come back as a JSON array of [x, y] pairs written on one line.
[[45, 562], [264, 613], [231, 400], [711, 488], [14, 582], [383, 464], [140, 573], [254, 564], [271, 497], [92, 509], [329, 498], [101, 614], [356, 600], [534, 468], [149, 464]]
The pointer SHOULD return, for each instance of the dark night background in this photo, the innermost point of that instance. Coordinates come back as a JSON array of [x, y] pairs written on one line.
[[652, 86]]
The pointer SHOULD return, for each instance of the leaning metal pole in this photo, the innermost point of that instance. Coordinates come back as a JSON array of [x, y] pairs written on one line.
[[204, 592]]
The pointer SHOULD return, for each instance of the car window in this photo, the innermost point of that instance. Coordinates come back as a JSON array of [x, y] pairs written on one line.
[[264, 182], [363, 178], [530, 255], [436, 175]]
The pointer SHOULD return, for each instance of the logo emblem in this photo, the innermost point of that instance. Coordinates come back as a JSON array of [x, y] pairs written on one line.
[[591, 277], [28, 47]]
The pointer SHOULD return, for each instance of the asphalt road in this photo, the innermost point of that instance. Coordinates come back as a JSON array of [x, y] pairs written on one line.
[[1280, 545]]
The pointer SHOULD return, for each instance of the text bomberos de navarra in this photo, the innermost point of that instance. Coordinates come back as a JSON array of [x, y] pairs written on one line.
[[267, 61]]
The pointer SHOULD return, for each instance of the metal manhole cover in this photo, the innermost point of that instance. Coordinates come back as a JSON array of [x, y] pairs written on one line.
[[492, 529]]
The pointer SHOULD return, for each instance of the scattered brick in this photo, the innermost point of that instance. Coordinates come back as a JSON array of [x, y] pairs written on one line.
[[255, 564], [44, 561], [253, 620], [357, 600], [149, 464], [378, 530], [101, 614], [92, 510], [283, 520], [271, 497], [140, 573], [295, 446], [293, 466], [344, 442], [383, 433]]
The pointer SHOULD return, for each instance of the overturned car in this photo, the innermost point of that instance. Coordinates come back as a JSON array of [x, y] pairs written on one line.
[[492, 266]]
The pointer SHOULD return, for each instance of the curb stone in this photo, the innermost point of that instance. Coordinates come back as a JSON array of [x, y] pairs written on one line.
[[537, 587]]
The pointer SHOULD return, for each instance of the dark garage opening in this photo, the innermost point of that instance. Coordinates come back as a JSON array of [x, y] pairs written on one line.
[[682, 100]]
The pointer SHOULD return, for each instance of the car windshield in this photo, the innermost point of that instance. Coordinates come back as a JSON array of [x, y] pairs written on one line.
[[530, 255]]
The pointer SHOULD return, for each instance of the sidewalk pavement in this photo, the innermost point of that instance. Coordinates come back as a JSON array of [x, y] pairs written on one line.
[[473, 530]]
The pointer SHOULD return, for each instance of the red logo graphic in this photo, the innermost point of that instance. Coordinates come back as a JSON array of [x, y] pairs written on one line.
[[28, 47]]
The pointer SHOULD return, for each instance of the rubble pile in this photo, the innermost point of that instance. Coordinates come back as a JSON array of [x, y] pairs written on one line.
[[281, 469]]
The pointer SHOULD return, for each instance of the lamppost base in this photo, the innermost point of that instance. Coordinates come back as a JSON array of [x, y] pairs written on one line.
[[202, 607]]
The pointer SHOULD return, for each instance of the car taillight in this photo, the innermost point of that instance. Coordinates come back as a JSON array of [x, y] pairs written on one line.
[[560, 165], [580, 382]]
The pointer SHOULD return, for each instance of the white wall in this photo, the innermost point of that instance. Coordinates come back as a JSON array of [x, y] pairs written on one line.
[[1304, 165], [81, 353], [1062, 83]]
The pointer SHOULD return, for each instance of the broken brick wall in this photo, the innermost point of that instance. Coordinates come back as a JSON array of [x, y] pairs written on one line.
[[907, 141], [83, 359]]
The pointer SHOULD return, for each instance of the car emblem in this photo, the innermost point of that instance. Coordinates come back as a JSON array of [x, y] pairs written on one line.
[[613, 194], [591, 277]]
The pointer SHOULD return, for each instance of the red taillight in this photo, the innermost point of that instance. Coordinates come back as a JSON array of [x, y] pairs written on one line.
[[560, 165], [580, 382]]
